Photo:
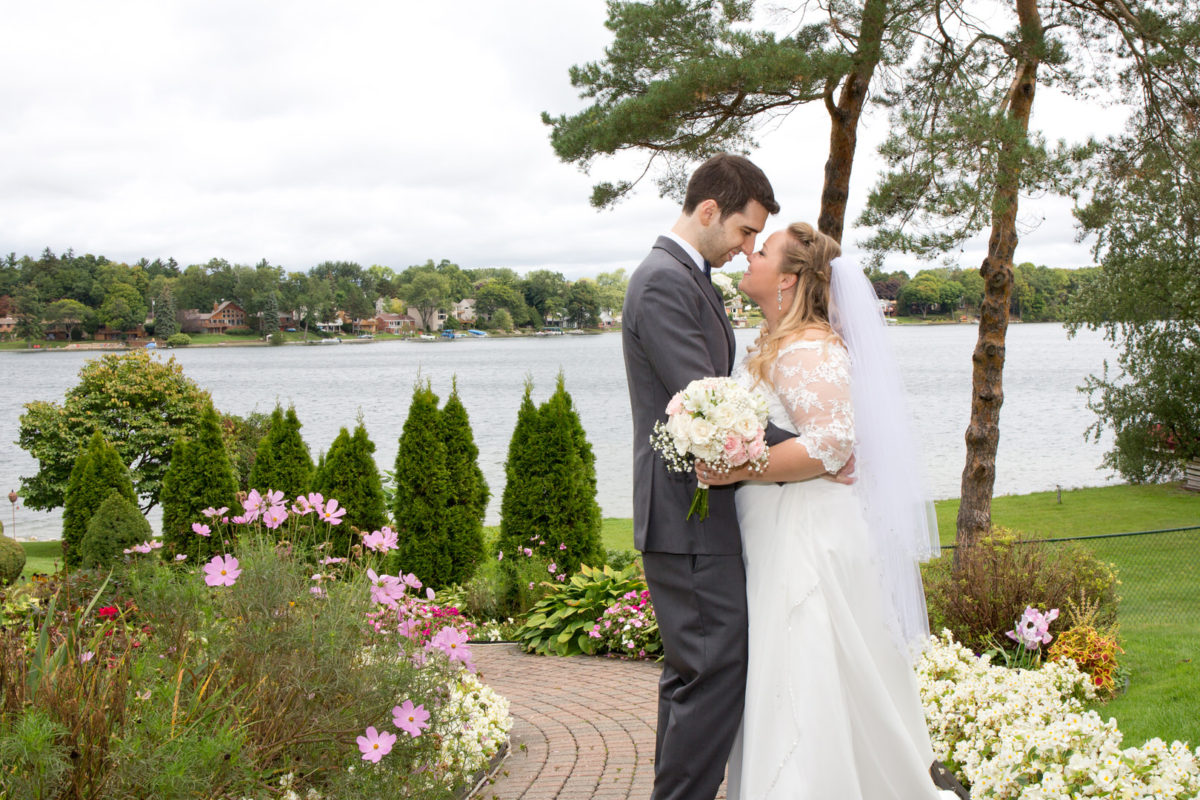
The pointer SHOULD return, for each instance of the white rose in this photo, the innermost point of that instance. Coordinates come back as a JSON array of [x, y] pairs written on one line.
[[745, 426], [722, 416], [701, 431]]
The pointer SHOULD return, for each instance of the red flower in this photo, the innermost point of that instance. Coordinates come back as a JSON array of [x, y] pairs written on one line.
[[108, 612]]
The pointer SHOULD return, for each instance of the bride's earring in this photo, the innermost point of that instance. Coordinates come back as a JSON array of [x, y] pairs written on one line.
[[779, 298]]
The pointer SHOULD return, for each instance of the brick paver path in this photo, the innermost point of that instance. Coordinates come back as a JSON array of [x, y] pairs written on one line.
[[583, 727]]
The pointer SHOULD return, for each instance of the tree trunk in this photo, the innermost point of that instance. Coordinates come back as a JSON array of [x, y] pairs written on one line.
[[987, 393], [843, 132]]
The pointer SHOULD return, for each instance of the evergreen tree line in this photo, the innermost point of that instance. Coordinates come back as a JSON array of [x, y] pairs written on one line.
[[437, 506]]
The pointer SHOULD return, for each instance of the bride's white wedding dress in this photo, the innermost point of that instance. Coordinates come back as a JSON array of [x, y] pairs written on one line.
[[832, 705]]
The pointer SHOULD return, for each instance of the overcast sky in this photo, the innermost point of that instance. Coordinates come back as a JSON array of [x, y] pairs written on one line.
[[377, 132]]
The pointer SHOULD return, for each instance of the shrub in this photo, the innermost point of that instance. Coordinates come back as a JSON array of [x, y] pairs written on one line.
[[560, 623], [283, 462], [468, 490], [550, 493], [116, 526], [199, 477], [980, 598], [97, 474], [242, 436], [238, 330], [348, 472], [178, 340], [628, 628], [12, 559], [422, 492]]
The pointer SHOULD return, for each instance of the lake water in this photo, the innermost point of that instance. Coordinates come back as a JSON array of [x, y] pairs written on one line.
[[1042, 422]]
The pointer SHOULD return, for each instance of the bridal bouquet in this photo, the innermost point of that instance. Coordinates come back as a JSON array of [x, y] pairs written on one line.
[[718, 421]]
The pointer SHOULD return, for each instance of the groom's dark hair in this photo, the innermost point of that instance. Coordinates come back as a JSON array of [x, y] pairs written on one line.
[[733, 181]]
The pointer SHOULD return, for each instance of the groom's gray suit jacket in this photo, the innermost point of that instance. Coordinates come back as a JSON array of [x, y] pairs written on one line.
[[674, 330]]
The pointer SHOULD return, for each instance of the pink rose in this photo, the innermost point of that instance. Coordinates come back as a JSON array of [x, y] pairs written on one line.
[[757, 447], [735, 451], [676, 404]]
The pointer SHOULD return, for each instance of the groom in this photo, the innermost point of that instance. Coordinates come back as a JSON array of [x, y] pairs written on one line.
[[674, 330]]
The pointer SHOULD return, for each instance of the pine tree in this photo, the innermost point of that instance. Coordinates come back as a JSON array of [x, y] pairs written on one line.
[[283, 462], [199, 476], [98, 472], [165, 324], [468, 489], [422, 493], [348, 473], [522, 498], [270, 314]]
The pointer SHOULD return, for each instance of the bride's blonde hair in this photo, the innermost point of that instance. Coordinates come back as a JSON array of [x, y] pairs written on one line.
[[807, 255]]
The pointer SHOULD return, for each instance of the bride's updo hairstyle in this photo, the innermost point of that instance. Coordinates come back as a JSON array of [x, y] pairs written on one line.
[[807, 255]]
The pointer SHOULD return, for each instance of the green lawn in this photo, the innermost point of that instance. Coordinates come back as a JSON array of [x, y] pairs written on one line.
[[41, 557]]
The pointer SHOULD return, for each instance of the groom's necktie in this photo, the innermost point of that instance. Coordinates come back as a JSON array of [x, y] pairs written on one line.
[[707, 269]]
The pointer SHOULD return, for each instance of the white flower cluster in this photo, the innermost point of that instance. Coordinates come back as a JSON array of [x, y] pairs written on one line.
[[1023, 735], [715, 419], [473, 723]]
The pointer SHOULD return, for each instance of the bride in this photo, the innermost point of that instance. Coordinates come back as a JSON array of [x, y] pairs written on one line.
[[834, 596]]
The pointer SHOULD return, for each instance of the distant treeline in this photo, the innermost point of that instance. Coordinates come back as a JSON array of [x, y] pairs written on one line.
[[1040, 294], [85, 293]]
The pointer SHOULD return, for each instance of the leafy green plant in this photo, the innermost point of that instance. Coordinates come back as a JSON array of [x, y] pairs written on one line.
[[559, 623], [979, 598], [178, 340]]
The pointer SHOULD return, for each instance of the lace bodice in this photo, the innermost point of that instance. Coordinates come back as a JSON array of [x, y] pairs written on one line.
[[809, 394]]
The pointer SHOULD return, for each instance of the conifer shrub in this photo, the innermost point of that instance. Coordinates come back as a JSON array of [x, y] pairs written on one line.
[[421, 500], [98, 473], [283, 462], [549, 501], [468, 490], [198, 477], [348, 472], [115, 527]]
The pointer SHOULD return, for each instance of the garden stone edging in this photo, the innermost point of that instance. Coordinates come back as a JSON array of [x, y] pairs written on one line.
[[483, 776]]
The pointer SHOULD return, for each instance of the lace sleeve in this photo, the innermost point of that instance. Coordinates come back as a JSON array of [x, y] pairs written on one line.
[[812, 380]]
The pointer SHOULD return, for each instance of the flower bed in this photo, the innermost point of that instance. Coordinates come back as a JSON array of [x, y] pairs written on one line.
[[272, 659], [1022, 734]]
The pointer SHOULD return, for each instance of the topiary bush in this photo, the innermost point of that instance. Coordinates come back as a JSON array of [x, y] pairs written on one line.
[[115, 527], [12, 558], [985, 593], [178, 340]]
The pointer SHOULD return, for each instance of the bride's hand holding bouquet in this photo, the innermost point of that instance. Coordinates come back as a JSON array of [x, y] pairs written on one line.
[[718, 422]]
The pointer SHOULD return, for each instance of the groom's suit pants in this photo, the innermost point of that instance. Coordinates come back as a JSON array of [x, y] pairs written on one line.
[[700, 605]]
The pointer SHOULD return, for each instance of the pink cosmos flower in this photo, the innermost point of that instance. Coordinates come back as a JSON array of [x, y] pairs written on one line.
[[385, 589], [89, 655], [214, 512], [331, 560], [253, 504], [274, 516], [302, 507], [331, 513], [500, 556], [273, 498], [552, 568], [410, 719], [391, 540], [243, 519], [412, 581], [562, 545], [221, 571], [527, 551], [409, 628], [203, 530], [181, 557], [429, 592], [375, 745], [453, 643]]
